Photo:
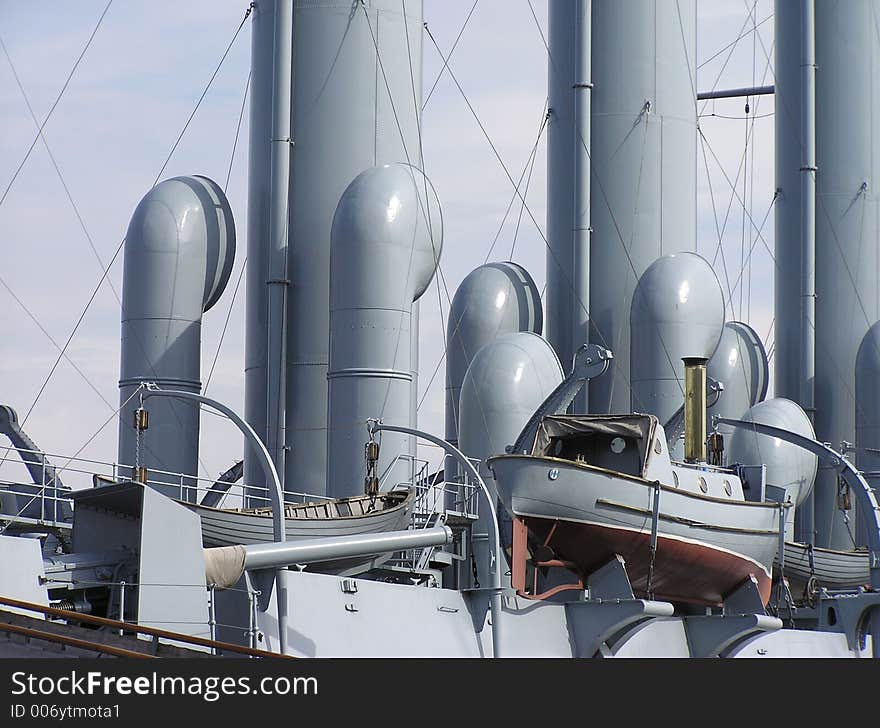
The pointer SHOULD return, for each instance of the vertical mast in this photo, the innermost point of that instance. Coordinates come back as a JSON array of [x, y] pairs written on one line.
[[581, 220], [808, 207], [276, 334], [794, 237], [562, 146]]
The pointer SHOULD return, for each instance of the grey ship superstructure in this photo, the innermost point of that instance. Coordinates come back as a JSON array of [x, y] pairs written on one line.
[[609, 411]]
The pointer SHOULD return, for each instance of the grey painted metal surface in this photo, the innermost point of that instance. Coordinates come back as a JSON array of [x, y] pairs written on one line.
[[491, 497], [788, 214], [389, 511], [24, 582], [847, 211], [39, 468], [353, 108], [732, 93], [581, 89], [740, 364], [868, 414], [644, 162], [268, 177], [274, 555], [788, 466], [561, 152], [385, 247], [864, 496], [589, 361], [568, 177], [275, 492], [677, 311], [269, 474], [492, 301], [505, 383], [259, 193], [808, 208], [179, 252]]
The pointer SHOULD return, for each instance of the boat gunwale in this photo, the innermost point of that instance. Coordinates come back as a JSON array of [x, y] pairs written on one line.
[[409, 498], [636, 479]]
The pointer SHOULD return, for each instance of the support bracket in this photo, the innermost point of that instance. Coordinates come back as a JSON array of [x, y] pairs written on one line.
[[712, 636], [848, 613]]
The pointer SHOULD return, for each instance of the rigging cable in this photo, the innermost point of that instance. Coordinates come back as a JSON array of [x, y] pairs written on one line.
[[424, 205], [55, 103], [531, 157], [88, 237], [614, 364], [120, 246], [451, 51], [510, 177], [244, 99]]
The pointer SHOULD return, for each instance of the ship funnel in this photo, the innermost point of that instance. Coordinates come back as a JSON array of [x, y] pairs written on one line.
[[179, 252], [385, 246], [694, 409]]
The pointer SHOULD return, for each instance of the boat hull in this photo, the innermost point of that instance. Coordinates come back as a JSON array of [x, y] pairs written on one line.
[[228, 527], [706, 547], [831, 569]]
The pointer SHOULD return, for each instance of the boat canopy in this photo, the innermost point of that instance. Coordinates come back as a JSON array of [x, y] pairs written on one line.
[[588, 438]]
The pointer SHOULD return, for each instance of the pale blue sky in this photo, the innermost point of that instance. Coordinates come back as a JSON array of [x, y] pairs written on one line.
[[132, 93]]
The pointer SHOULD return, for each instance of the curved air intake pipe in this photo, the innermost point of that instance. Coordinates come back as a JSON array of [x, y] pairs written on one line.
[[385, 246], [677, 311], [492, 301], [179, 252], [506, 382]]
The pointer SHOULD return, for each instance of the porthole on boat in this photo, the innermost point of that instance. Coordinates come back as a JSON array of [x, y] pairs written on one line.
[[553, 474], [658, 448], [704, 486], [618, 445], [727, 488], [675, 478]]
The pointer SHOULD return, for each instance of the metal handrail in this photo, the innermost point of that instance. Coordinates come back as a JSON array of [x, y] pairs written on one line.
[[139, 629]]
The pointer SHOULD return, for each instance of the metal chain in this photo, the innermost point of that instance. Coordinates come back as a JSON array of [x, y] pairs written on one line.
[[474, 566]]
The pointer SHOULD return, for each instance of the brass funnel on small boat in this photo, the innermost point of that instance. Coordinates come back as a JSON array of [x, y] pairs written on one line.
[[695, 409]]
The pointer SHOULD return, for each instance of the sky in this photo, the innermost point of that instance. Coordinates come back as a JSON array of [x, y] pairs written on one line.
[[132, 93]]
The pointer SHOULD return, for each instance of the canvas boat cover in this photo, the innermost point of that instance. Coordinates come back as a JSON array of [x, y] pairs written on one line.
[[636, 426]]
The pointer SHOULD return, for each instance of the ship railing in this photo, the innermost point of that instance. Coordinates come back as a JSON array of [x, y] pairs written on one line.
[[201, 634], [454, 501], [78, 473]]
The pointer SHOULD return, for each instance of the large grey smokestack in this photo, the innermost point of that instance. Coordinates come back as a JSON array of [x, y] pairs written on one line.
[[179, 252], [385, 249], [644, 165], [847, 256], [357, 98]]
